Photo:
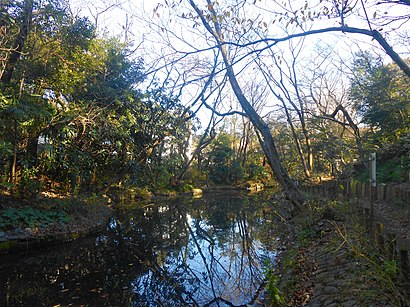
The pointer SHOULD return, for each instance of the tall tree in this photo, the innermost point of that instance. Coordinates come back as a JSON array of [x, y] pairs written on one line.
[[214, 28], [23, 18], [27, 82], [284, 85], [72, 98]]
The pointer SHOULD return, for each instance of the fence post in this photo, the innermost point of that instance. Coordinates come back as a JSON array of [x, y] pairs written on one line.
[[372, 185], [394, 195], [383, 192]]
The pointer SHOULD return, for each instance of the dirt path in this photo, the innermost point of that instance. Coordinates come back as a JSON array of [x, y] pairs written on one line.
[[331, 260]]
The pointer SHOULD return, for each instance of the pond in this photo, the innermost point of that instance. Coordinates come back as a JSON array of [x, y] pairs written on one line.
[[208, 251]]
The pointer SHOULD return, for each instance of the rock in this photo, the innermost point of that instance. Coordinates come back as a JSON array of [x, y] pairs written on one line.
[[196, 192], [350, 303], [2, 234], [327, 300], [254, 186], [331, 290]]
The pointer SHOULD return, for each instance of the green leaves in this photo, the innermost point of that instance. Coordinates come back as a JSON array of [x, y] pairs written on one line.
[[382, 96], [29, 217], [72, 110]]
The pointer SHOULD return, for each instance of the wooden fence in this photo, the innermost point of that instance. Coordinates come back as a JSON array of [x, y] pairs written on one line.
[[396, 246], [392, 194]]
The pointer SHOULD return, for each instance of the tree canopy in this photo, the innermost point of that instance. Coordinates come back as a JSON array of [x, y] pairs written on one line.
[[382, 96], [84, 110], [71, 111]]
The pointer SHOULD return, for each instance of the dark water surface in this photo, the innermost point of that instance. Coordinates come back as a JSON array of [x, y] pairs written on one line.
[[176, 252]]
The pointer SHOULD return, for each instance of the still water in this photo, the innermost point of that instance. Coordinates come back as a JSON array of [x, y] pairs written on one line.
[[208, 251]]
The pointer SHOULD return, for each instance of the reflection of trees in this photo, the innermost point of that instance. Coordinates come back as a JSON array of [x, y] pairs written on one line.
[[229, 257], [98, 270], [77, 273], [186, 253]]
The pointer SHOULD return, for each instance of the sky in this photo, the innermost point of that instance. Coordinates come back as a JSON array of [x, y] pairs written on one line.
[[165, 36]]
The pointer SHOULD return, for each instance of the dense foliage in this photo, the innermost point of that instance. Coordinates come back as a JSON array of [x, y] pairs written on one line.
[[73, 117], [71, 113], [381, 94]]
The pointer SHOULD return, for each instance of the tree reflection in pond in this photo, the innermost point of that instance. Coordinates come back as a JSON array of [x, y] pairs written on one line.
[[179, 252]]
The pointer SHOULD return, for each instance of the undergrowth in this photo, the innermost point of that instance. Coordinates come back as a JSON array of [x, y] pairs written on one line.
[[30, 217]]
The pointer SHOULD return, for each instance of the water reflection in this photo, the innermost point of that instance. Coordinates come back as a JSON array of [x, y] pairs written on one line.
[[196, 252]]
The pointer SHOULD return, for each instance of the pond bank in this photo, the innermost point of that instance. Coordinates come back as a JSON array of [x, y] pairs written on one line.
[[329, 260], [26, 225], [30, 225]]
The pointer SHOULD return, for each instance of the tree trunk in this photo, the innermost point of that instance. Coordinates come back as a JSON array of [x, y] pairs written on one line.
[[31, 149], [306, 160], [245, 141], [305, 165], [356, 132], [13, 166], [18, 45], [267, 142], [301, 114], [203, 142]]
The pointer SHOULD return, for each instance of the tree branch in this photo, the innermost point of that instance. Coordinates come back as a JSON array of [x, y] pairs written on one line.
[[223, 114], [345, 29]]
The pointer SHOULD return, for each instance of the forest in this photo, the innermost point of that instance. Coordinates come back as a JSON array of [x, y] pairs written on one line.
[[77, 114], [147, 98]]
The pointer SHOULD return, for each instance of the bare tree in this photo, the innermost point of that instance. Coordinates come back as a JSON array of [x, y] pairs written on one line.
[[284, 85], [326, 93], [232, 36], [266, 139]]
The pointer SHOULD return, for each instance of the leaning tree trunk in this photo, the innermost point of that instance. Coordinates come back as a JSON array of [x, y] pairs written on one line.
[[267, 142], [203, 142], [266, 139]]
